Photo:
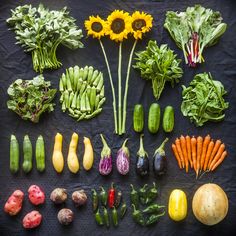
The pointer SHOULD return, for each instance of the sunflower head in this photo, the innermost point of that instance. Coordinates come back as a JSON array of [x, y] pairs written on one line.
[[118, 25], [140, 24], [95, 26]]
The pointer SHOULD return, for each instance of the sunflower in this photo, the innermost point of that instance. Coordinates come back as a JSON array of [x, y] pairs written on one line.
[[118, 25], [140, 24], [95, 26]]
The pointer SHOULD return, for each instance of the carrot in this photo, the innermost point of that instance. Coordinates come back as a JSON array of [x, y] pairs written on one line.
[[199, 152], [222, 157], [184, 150], [188, 142], [217, 156], [194, 152], [176, 154], [206, 142], [208, 154], [178, 146], [214, 151]]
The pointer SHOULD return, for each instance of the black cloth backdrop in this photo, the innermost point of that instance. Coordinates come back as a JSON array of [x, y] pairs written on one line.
[[14, 63]]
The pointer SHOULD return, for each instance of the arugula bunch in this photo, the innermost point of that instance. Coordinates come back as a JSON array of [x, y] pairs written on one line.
[[158, 64], [30, 98], [41, 31], [203, 100], [194, 30]]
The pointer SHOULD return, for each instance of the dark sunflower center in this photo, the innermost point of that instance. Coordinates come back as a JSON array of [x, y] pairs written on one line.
[[138, 24], [96, 27], [118, 25]]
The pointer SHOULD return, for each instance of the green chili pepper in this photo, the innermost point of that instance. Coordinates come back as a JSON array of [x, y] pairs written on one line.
[[118, 198], [138, 216], [152, 194], [154, 208], [103, 196], [106, 217], [154, 218], [134, 196], [98, 218], [94, 199], [123, 210], [143, 193], [114, 216]]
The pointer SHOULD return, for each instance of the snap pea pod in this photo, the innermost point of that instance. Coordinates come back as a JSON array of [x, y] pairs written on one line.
[[14, 154], [40, 154], [28, 155], [106, 217]]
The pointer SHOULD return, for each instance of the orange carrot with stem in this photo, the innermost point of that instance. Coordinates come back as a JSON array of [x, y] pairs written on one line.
[[217, 156], [184, 150], [214, 151], [194, 152], [178, 146], [176, 154], [188, 142], [199, 152], [222, 157], [206, 142], [208, 154]]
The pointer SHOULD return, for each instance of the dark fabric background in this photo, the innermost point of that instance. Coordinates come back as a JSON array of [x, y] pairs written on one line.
[[14, 63]]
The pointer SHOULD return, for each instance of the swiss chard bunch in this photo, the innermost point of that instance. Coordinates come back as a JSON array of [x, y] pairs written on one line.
[[194, 30], [203, 100], [158, 64], [30, 98], [40, 31]]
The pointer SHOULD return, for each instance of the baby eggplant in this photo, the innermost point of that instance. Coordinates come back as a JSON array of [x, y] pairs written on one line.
[[142, 164], [122, 159], [159, 160]]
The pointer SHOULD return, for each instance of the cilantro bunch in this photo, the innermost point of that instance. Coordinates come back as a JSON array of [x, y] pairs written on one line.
[[41, 31]]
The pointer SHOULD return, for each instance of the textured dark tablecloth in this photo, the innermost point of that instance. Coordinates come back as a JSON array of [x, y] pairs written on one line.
[[14, 63]]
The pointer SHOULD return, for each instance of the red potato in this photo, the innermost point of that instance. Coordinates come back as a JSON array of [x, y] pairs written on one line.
[[36, 195], [32, 220], [14, 203]]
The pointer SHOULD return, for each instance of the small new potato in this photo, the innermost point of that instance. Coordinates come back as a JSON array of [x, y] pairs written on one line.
[[32, 220], [79, 197], [36, 195], [65, 216], [58, 195]]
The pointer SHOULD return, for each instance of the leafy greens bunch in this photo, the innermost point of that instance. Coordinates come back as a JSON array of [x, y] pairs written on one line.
[[203, 100], [30, 98], [40, 31], [158, 64], [194, 30]]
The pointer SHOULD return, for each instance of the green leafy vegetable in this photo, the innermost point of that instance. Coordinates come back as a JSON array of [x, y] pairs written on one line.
[[158, 64], [30, 98], [203, 100], [194, 30], [40, 31]]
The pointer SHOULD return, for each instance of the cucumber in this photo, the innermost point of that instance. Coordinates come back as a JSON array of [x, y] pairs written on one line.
[[154, 118], [168, 119], [28, 154], [40, 154], [14, 155], [138, 118]]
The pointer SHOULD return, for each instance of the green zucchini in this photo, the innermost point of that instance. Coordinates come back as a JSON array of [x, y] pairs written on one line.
[[14, 155], [40, 154], [154, 118], [168, 119], [28, 154], [138, 118]]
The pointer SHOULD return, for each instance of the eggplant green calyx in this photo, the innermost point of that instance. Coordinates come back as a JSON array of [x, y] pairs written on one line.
[[141, 152], [160, 149], [106, 151]]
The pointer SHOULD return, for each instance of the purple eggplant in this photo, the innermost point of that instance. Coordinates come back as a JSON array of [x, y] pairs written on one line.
[[105, 164], [122, 159]]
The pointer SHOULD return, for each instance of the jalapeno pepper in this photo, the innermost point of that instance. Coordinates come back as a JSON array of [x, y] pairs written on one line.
[[94, 200], [152, 194], [143, 194], [106, 217], [118, 198], [98, 218], [123, 210], [134, 196], [138, 216], [154, 218], [103, 196], [154, 208], [111, 196], [114, 216]]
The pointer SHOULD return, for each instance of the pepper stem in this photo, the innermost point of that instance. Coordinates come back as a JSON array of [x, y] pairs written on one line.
[[106, 151], [141, 151], [160, 149]]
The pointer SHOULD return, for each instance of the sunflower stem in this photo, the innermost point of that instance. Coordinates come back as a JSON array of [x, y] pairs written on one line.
[[127, 87], [112, 86], [119, 91]]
